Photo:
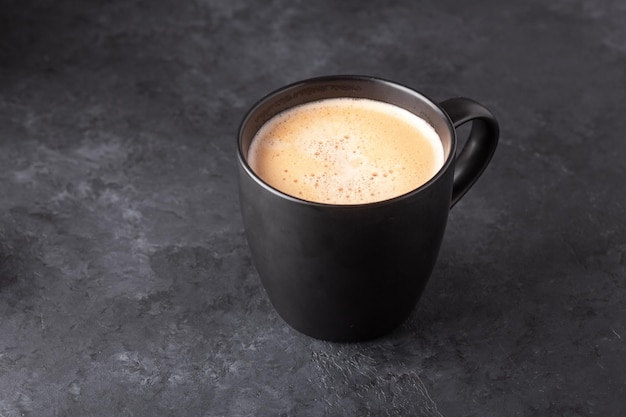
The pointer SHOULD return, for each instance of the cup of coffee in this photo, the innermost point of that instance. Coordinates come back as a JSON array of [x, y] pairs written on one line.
[[345, 185]]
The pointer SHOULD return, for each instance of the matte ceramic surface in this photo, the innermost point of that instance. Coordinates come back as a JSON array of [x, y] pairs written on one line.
[[353, 273]]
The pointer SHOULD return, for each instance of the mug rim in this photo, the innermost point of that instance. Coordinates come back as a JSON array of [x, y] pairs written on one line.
[[243, 162]]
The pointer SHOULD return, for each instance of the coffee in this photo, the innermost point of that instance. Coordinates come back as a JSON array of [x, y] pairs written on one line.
[[350, 272], [346, 151]]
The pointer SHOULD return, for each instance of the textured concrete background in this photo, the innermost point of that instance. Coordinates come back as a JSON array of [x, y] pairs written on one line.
[[126, 286]]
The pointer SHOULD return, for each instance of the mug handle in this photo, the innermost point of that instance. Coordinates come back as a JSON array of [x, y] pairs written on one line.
[[480, 146]]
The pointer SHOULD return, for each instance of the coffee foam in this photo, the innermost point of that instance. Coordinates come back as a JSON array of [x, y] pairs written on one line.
[[346, 151]]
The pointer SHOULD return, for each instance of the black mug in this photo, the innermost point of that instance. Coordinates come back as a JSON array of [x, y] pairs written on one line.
[[355, 272]]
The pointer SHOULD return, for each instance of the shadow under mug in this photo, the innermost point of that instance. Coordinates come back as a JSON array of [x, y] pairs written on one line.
[[355, 272]]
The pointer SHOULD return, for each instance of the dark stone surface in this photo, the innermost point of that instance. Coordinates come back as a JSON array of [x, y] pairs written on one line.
[[126, 285]]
